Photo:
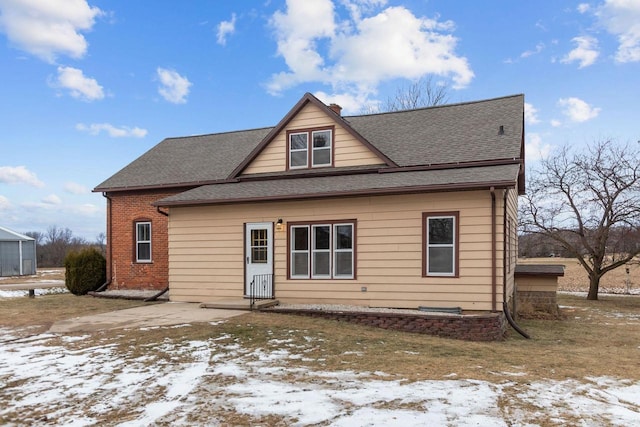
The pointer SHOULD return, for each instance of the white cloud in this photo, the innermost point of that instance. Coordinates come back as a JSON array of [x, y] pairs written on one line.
[[52, 199], [87, 209], [535, 149], [583, 8], [622, 19], [530, 114], [578, 110], [586, 51], [347, 101], [75, 188], [112, 131], [556, 123], [19, 175], [527, 53], [358, 53], [173, 87], [79, 86], [50, 28], [226, 28], [5, 204]]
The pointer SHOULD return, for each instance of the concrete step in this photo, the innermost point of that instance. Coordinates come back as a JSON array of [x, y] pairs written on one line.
[[239, 304]]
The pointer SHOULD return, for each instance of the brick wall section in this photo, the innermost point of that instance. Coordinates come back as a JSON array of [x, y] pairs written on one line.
[[127, 208], [483, 327]]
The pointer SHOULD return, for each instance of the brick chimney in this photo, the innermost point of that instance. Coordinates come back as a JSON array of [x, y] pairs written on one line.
[[336, 108]]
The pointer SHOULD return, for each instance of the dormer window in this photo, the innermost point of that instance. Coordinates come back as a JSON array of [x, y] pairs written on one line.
[[310, 148]]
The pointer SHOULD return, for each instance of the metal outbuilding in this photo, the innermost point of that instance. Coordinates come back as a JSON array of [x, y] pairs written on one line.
[[17, 254]]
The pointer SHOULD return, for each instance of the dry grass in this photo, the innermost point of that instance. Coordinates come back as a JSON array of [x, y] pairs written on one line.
[[592, 332], [573, 346], [570, 348], [594, 339], [56, 273], [576, 280], [41, 312]]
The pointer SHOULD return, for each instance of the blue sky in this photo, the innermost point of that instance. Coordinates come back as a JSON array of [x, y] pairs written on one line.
[[88, 86]]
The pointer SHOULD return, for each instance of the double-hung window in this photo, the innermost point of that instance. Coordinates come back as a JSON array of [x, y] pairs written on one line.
[[441, 244], [143, 241], [322, 251], [310, 148]]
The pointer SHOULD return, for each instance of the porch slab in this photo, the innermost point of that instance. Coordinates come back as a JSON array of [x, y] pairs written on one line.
[[239, 304]]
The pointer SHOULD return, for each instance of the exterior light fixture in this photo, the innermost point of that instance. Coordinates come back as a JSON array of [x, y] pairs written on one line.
[[279, 225]]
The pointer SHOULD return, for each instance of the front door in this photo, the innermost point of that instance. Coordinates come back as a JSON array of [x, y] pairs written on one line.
[[259, 259]]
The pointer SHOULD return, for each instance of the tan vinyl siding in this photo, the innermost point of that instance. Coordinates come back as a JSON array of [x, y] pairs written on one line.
[[512, 213], [348, 150], [537, 284], [207, 253]]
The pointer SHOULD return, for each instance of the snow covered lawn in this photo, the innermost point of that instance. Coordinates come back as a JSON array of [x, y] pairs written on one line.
[[117, 380]]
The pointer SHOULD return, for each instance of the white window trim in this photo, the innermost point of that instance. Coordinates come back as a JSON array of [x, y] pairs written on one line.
[[314, 149], [337, 251], [299, 251], [316, 251], [299, 150], [310, 150], [332, 251], [139, 241], [442, 245]]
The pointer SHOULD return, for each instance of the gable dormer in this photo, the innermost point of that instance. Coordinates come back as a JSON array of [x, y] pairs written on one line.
[[312, 136]]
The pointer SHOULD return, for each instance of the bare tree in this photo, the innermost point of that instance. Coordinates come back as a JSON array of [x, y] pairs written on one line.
[[37, 235], [589, 203], [101, 238], [421, 93]]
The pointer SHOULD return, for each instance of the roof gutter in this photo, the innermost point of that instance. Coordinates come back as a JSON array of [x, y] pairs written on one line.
[[352, 193], [456, 165], [494, 279], [163, 186], [505, 303]]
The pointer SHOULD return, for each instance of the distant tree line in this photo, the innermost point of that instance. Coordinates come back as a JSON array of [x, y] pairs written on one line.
[[54, 244], [535, 245]]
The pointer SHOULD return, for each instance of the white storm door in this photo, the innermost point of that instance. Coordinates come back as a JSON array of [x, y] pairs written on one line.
[[258, 255]]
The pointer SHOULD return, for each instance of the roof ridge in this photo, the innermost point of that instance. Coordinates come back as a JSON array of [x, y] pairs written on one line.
[[432, 107], [15, 233], [219, 133]]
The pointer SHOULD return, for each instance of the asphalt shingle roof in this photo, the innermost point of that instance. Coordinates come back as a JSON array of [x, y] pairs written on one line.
[[301, 188], [187, 160], [448, 134]]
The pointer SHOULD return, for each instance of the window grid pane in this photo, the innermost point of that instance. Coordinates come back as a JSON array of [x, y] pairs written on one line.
[[322, 251], [298, 150], [344, 265], [321, 248], [259, 242], [321, 264], [300, 252], [143, 242], [441, 246], [144, 252], [441, 231], [321, 151], [343, 251]]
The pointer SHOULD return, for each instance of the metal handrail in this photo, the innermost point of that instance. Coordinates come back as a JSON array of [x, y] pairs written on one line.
[[261, 287]]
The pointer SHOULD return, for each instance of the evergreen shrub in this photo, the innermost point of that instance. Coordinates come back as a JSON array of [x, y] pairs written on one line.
[[85, 270]]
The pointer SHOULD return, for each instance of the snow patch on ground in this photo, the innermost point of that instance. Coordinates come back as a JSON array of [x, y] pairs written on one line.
[[75, 385], [38, 292]]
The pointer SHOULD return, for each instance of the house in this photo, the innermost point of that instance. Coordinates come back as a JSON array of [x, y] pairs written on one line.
[[17, 254], [400, 209]]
